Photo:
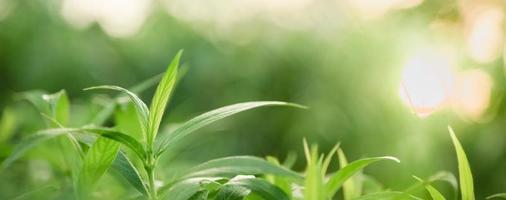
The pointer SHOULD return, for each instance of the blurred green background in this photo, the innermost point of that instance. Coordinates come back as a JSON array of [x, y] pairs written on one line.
[[381, 77]]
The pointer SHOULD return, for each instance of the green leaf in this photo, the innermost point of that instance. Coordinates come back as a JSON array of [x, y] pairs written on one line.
[[7, 124], [185, 189], [500, 195], [123, 165], [434, 193], [140, 106], [55, 105], [282, 182], [123, 138], [260, 187], [210, 117], [313, 185], [35, 98], [41, 193], [465, 175], [161, 97], [32, 141], [201, 195], [351, 187], [58, 107], [232, 192], [97, 161], [343, 174], [239, 165], [389, 195], [126, 121]]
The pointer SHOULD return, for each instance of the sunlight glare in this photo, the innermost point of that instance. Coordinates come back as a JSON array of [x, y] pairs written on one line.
[[426, 82], [485, 34], [471, 93]]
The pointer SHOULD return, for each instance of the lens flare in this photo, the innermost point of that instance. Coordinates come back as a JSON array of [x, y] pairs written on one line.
[[471, 93], [426, 82]]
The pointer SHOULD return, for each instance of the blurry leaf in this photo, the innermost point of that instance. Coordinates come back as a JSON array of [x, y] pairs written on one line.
[[328, 158], [351, 187], [185, 189], [97, 161], [290, 159], [101, 117], [201, 195], [126, 121], [55, 105], [500, 195], [31, 141], [140, 87], [369, 184], [389, 195], [313, 186], [35, 98], [210, 117], [239, 165], [161, 97], [39, 193], [434, 193], [260, 187], [58, 106], [465, 175], [232, 192], [140, 106], [440, 176], [123, 165], [7, 124], [281, 182], [343, 174]]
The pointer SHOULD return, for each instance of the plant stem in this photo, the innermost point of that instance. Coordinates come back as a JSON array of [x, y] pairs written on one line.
[[152, 188]]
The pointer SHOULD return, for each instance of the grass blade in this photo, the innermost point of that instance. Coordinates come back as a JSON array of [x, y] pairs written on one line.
[[351, 187], [500, 195], [210, 117], [336, 180], [434, 193], [389, 195], [465, 175], [140, 106], [161, 97], [313, 185]]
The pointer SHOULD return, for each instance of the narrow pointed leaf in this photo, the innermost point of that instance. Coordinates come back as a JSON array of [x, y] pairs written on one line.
[[161, 97], [123, 138], [351, 187], [232, 192], [260, 187], [239, 165], [185, 189], [389, 195], [434, 193], [336, 180], [32, 141], [500, 195], [465, 175], [123, 165], [212, 116], [140, 106]]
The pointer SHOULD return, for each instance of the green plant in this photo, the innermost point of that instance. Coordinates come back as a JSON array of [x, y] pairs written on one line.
[[99, 153]]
